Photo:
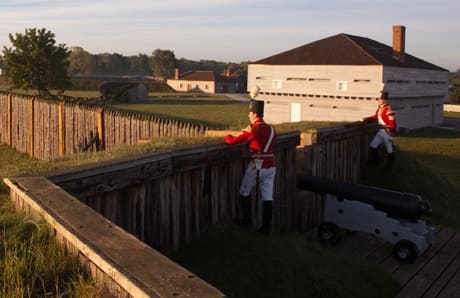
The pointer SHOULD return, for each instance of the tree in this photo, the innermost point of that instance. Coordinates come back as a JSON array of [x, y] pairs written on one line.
[[81, 63], [36, 62], [163, 63], [139, 65]]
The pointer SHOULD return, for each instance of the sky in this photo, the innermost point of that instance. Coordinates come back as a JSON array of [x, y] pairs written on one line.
[[235, 30]]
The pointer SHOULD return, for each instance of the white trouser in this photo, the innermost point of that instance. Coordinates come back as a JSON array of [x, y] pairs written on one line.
[[383, 136], [266, 178]]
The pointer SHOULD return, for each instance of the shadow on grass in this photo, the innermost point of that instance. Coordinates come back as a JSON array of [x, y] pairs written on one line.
[[243, 263], [410, 175], [432, 132], [194, 102]]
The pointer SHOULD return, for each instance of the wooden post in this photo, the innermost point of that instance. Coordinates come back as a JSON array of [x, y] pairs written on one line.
[[100, 128], [31, 127], [10, 120], [61, 128]]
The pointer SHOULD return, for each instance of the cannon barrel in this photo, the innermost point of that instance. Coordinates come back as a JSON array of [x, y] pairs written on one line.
[[396, 204]]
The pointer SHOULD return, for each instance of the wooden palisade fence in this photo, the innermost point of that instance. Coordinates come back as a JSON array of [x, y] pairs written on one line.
[[50, 128]]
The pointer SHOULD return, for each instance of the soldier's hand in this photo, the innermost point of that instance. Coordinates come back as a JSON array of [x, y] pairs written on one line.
[[248, 129], [229, 139]]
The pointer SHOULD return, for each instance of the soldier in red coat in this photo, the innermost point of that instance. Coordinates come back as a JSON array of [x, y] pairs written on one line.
[[261, 169], [385, 117]]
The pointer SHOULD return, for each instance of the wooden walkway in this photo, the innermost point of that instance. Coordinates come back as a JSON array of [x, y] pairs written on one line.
[[434, 274]]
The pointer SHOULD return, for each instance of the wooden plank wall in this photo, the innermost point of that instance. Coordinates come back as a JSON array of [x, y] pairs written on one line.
[[338, 153], [49, 128], [166, 199], [4, 98], [111, 255]]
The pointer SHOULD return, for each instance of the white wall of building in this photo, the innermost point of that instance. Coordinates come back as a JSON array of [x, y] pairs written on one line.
[[348, 93]]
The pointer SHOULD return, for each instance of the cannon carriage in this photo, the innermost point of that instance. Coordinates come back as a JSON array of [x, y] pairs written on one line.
[[393, 216]]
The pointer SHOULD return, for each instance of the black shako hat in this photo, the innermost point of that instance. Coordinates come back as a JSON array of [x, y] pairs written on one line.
[[257, 106], [384, 95]]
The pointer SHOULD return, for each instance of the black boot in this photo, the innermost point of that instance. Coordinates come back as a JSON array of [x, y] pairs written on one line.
[[390, 160], [373, 157], [246, 204], [266, 217]]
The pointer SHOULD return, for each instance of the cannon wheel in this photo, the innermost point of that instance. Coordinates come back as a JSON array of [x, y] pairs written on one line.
[[405, 251], [329, 233]]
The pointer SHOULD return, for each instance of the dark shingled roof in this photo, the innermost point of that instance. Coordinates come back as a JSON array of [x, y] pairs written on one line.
[[345, 49]]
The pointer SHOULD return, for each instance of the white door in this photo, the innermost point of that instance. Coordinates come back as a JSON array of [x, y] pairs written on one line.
[[296, 109]]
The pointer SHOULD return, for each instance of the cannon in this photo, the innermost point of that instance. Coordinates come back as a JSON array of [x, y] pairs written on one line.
[[395, 217]]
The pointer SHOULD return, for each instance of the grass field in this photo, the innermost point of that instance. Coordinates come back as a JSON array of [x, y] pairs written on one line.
[[244, 264], [427, 163], [293, 265], [215, 112], [239, 262], [452, 114]]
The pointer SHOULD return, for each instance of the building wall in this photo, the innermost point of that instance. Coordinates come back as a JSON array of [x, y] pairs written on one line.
[[190, 86], [226, 87], [419, 95], [321, 93], [347, 93], [139, 93]]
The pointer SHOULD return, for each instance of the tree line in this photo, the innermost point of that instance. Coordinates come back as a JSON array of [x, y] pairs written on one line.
[[160, 64], [36, 61], [454, 90]]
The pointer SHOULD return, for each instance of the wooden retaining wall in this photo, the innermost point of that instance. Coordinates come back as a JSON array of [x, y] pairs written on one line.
[[163, 199], [166, 199], [48, 128], [117, 261], [337, 152]]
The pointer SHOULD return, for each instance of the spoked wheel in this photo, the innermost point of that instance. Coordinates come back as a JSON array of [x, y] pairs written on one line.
[[405, 251], [329, 233]]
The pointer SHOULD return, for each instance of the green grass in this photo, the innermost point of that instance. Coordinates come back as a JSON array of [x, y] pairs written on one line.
[[215, 112], [243, 263], [452, 114], [427, 163], [32, 263]]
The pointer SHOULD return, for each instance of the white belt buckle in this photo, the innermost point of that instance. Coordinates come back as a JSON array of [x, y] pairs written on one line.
[[258, 163]]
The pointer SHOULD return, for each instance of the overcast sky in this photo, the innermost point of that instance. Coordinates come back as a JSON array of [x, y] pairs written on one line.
[[236, 30]]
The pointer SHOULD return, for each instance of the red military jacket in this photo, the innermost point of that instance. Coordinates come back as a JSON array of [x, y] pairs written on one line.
[[385, 117], [261, 138]]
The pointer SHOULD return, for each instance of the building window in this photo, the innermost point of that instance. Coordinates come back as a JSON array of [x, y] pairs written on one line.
[[420, 107], [277, 84], [180, 85], [342, 85], [296, 79], [206, 87], [398, 81], [431, 82], [319, 80]]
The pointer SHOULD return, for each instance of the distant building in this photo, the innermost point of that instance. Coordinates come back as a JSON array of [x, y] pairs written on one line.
[[124, 91], [205, 81], [339, 77]]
